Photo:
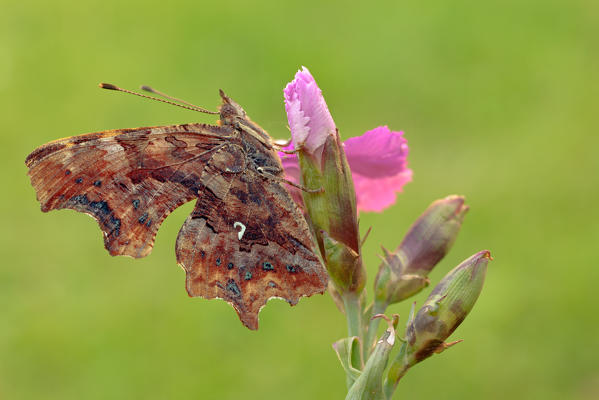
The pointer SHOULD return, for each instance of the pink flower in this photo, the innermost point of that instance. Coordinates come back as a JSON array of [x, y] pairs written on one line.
[[308, 115], [377, 159]]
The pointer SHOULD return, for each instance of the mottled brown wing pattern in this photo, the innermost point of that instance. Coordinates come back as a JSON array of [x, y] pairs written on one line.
[[246, 240], [248, 243], [129, 180]]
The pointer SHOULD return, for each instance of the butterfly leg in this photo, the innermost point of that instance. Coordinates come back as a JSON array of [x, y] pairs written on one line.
[[282, 143], [281, 148], [294, 151], [267, 172]]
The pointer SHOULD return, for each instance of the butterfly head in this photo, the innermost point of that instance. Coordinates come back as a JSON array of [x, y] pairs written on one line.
[[230, 111], [232, 114]]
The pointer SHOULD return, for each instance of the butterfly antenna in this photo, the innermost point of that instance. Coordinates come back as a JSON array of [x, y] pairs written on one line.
[[110, 86], [166, 96]]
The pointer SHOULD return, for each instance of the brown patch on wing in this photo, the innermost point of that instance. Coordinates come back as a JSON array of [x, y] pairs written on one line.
[[247, 244], [129, 180]]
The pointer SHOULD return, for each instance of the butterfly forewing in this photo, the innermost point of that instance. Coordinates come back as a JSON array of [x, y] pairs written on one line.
[[128, 180]]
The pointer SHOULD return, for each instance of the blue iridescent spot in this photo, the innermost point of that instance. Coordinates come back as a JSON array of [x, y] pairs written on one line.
[[291, 269], [267, 266]]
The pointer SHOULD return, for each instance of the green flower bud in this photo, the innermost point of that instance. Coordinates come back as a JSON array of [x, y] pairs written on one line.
[[445, 309], [334, 209], [332, 214]]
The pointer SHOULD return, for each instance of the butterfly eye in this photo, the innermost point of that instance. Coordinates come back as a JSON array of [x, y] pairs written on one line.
[[258, 159]]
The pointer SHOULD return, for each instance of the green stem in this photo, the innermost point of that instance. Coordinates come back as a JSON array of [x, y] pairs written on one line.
[[353, 313]]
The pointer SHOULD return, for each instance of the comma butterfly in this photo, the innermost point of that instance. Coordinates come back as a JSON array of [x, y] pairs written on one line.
[[245, 241]]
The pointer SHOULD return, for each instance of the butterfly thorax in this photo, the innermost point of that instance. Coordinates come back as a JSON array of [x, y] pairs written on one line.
[[256, 142]]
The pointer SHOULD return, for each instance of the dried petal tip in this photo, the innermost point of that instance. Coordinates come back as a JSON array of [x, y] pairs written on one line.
[[308, 115]]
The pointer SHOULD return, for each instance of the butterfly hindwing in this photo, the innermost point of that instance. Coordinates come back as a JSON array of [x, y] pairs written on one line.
[[248, 246]]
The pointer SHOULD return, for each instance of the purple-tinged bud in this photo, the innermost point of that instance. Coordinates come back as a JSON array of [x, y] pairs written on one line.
[[432, 235], [404, 272], [445, 309]]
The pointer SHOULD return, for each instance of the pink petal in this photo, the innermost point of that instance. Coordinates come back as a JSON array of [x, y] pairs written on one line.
[[309, 118], [378, 162], [377, 153], [291, 167], [292, 173], [378, 194]]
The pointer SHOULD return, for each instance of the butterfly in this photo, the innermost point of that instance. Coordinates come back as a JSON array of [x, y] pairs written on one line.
[[246, 240]]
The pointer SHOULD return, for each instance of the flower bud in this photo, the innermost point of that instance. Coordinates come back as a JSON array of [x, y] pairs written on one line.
[[323, 165], [404, 272], [445, 309]]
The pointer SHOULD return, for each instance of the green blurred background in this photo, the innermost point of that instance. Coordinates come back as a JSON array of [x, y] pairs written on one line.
[[498, 101]]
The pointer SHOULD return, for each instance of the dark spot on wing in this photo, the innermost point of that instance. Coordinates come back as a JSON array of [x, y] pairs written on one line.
[[291, 269], [267, 266], [80, 199], [233, 288], [143, 218], [99, 209], [116, 225]]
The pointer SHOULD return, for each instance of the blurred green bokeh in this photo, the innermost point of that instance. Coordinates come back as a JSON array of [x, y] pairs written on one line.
[[499, 102]]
